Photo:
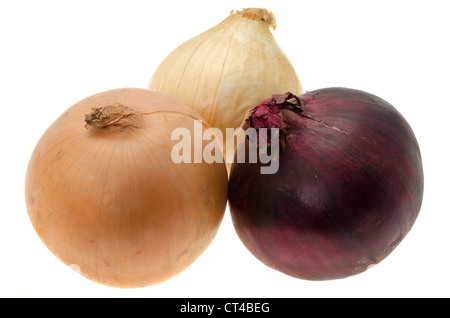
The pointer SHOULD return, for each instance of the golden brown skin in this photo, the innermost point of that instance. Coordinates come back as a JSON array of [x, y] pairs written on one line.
[[110, 199]]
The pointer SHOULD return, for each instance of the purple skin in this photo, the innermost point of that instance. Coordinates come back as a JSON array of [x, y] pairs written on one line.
[[348, 189]]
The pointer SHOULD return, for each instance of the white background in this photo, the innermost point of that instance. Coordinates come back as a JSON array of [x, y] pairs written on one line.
[[55, 53]]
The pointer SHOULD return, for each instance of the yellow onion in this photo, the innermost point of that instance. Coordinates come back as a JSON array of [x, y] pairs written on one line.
[[228, 69], [110, 200]]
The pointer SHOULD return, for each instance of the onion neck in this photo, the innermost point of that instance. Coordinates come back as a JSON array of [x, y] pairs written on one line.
[[114, 114], [267, 114], [258, 14]]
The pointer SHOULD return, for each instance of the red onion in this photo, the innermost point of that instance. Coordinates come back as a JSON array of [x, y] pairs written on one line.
[[349, 184]]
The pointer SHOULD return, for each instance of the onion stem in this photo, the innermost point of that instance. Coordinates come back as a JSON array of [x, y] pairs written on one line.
[[115, 114]]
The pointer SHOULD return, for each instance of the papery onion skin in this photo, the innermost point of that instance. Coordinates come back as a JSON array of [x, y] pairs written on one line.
[[111, 201], [228, 69], [349, 187]]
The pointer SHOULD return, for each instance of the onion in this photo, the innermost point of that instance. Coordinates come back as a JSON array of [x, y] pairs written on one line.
[[348, 187], [110, 200], [227, 69]]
